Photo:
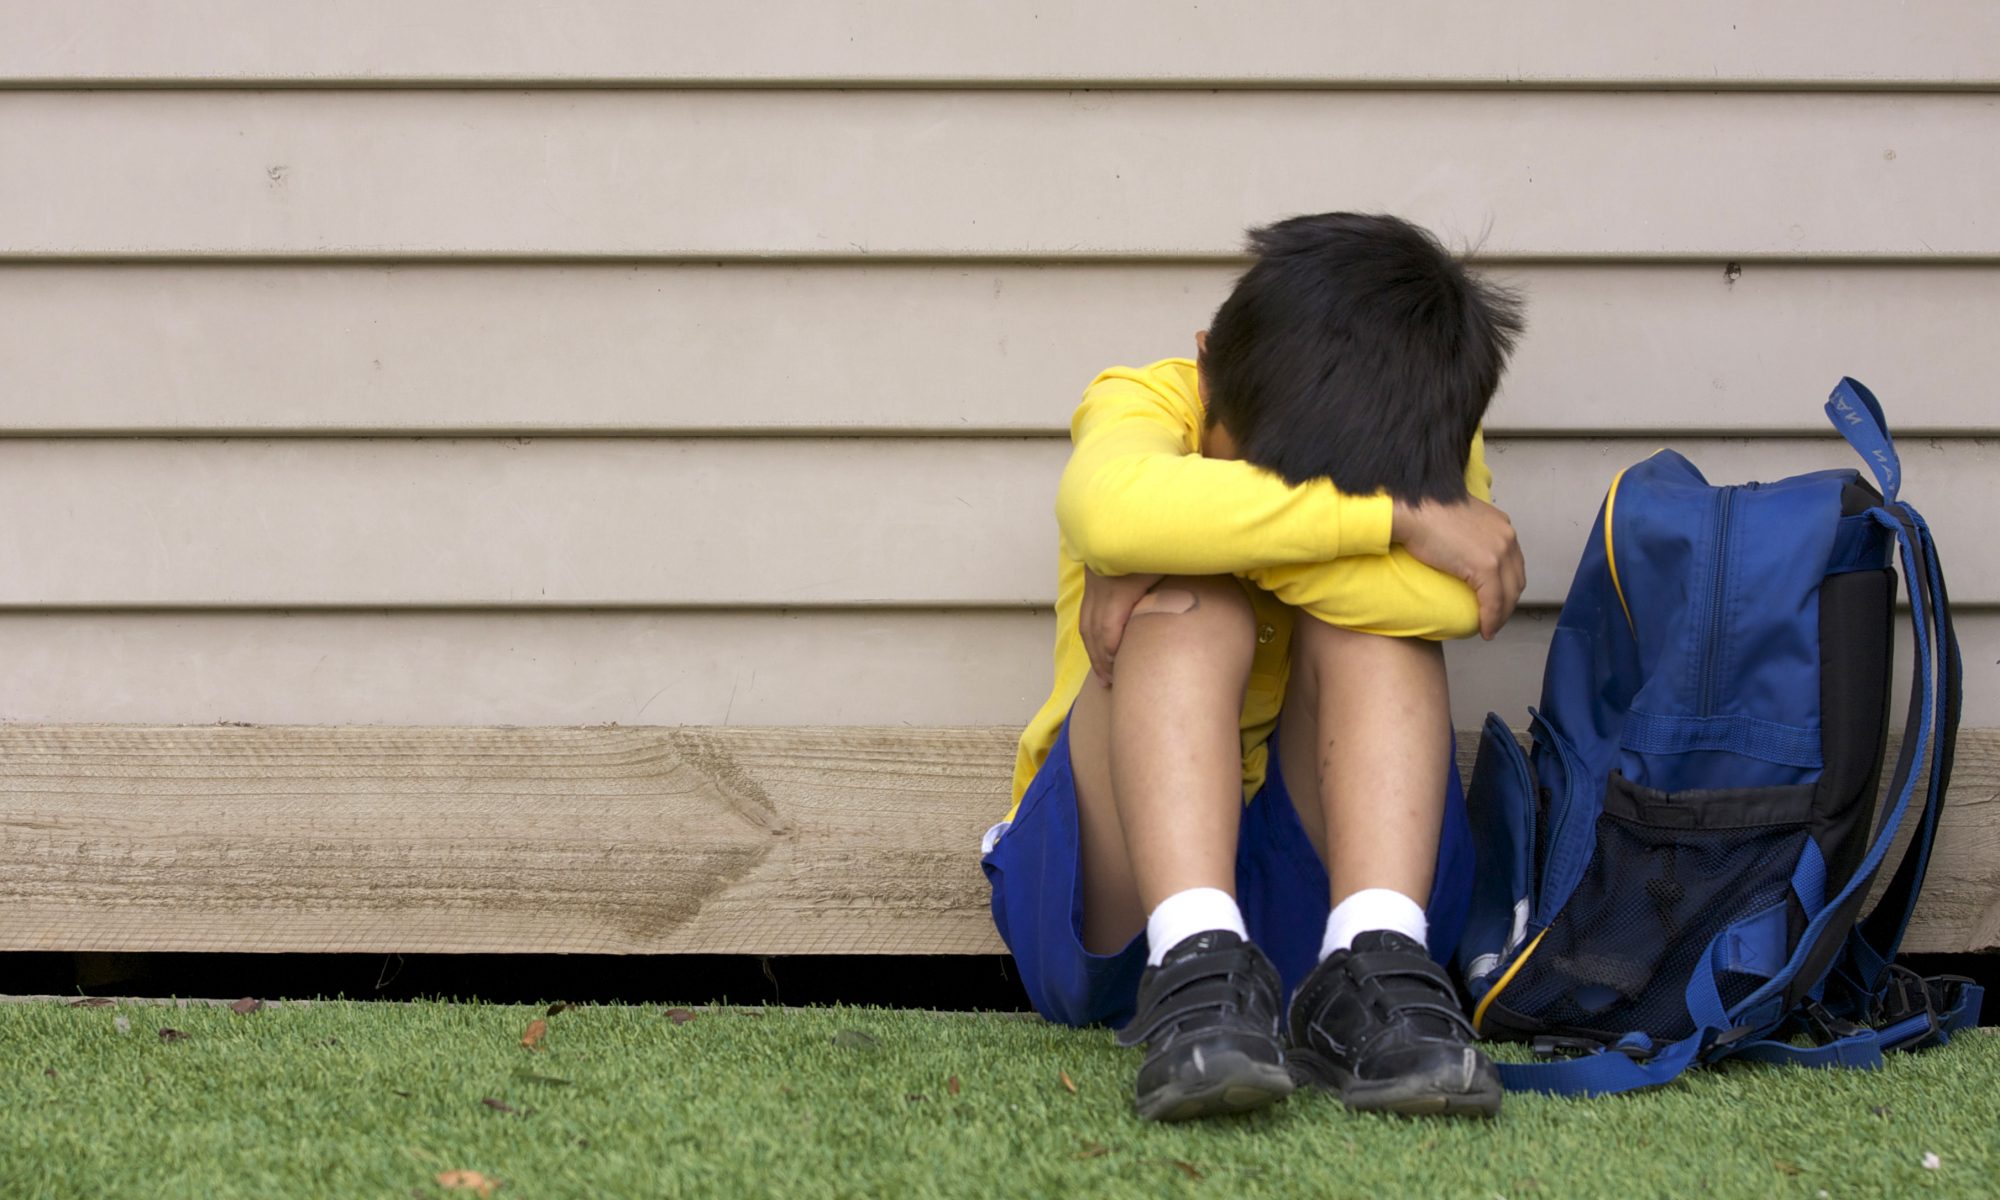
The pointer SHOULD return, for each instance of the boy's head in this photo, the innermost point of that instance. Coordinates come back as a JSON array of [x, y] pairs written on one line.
[[1357, 349]]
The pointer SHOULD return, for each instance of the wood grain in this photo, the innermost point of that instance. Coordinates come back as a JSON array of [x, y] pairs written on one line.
[[583, 840]]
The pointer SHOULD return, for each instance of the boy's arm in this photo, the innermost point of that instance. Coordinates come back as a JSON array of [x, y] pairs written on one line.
[[1132, 499], [1397, 595]]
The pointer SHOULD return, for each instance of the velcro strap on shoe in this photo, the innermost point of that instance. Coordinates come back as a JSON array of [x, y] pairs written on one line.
[[1397, 985], [1389, 962], [1191, 991]]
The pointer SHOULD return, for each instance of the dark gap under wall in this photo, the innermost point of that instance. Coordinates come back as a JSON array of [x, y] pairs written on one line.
[[964, 982], [950, 982]]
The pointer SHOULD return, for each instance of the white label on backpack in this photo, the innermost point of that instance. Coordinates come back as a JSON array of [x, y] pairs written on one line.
[[1485, 964], [1520, 933]]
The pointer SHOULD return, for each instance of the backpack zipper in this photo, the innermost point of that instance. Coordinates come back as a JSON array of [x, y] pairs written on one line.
[[1718, 577], [1557, 822]]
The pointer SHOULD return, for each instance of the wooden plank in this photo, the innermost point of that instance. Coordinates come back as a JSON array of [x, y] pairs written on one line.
[[810, 667], [710, 522], [566, 349], [1698, 43], [583, 840], [702, 174]]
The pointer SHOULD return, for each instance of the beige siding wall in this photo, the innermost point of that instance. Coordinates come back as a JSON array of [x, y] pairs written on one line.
[[710, 364]]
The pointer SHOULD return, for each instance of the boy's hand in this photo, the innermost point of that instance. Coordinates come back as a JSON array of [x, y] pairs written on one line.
[[1470, 540], [1108, 601]]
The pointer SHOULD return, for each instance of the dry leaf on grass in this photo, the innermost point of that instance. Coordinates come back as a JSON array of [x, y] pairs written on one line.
[[471, 1180], [247, 1004], [951, 1085], [557, 1007], [1190, 1170], [680, 1016], [172, 1035], [1093, 1150], [536, 1028], [915, 1097], [1068, 1082], [92, 1002], [400, 1092], [1788, 1168], [49, 1071]]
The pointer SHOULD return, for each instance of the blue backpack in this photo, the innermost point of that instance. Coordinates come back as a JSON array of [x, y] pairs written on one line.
[[1674, 872]]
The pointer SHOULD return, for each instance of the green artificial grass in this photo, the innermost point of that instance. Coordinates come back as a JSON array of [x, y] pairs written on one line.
[[357, 1099]]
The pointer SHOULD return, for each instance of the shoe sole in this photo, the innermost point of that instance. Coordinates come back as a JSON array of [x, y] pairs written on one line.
[[1432, 1094], [1232, 1082]]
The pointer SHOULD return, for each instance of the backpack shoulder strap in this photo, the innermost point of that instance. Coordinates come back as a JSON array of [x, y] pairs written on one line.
[[1875, 940], [1871, 945], [1625, 1066]]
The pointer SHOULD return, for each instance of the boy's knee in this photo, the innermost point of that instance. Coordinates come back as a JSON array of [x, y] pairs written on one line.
[[1315, 639], [1205, 617], [1214, 601], [1320, 646]]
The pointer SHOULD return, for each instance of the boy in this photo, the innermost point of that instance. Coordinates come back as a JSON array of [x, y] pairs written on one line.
[[1226, 801]]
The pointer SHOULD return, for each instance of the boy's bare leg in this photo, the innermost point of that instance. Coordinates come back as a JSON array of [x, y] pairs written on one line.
[[1363, 743], [1365, 729], [1158, 756], [1158, 760]]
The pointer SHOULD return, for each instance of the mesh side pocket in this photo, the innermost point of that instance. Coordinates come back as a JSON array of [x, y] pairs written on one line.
[[1670, 871]]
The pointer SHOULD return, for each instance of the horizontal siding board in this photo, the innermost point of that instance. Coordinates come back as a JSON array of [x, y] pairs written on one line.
[[823, 667], [643, 840], [1706, 43], [1003, 348], [713, 522], [1015, 174], [818, 667]]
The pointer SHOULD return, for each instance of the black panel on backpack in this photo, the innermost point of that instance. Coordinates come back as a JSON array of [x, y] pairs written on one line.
[[1856, 654]]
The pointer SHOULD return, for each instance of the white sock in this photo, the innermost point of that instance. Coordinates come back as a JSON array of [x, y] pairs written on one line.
[[1372, 908], [1184, 914]]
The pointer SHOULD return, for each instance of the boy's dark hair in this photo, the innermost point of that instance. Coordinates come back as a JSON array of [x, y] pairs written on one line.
[[1357, 349]]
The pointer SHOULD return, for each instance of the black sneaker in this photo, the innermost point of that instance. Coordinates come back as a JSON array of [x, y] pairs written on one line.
[[1381, 1025], [1209, 1017]]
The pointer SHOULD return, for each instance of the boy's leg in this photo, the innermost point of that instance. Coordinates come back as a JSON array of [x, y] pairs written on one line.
[[1363, 746], [1157, 758]]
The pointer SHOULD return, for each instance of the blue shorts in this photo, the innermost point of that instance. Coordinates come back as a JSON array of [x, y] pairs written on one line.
[[1281, 886]]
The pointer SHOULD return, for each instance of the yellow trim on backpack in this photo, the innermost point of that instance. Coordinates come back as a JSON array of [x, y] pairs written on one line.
[[1610, 503], [1479, 1012]]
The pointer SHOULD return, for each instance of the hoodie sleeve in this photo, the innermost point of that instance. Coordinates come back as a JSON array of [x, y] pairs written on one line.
[[1387, 593], [1137, 498]]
